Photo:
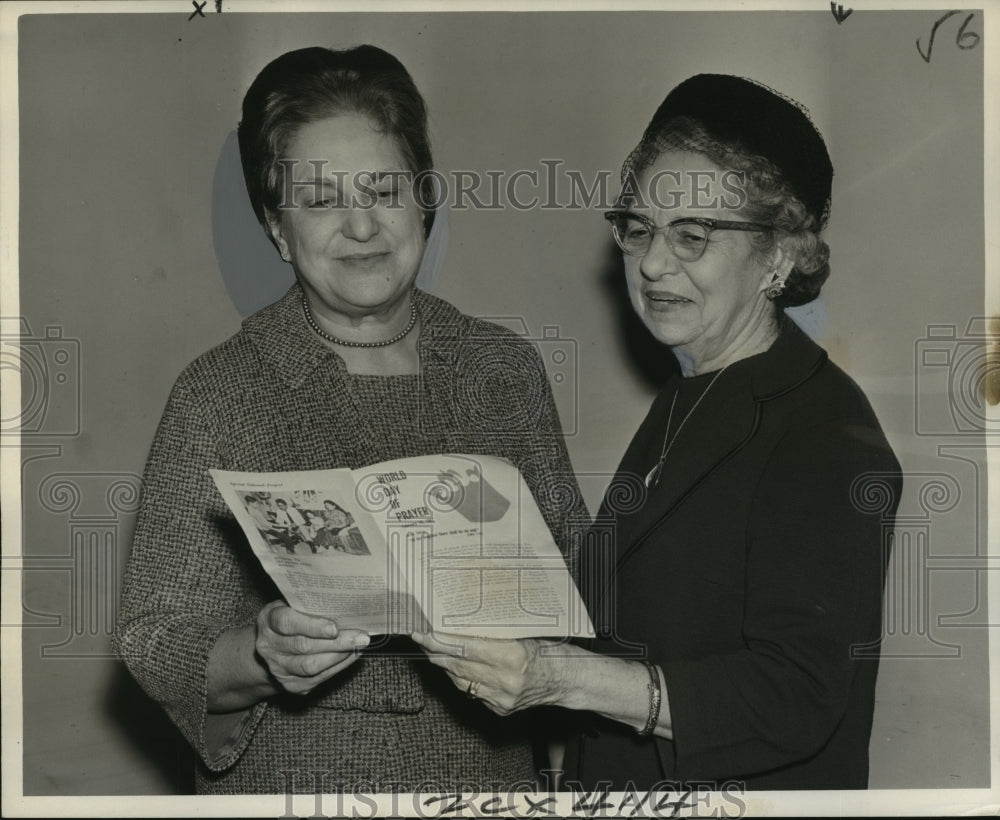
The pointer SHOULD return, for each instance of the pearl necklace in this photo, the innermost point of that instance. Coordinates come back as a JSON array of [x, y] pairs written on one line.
[[402, 334], [653, 476]]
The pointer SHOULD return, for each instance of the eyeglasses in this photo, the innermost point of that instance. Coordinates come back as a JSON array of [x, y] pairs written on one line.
[[687, 236]]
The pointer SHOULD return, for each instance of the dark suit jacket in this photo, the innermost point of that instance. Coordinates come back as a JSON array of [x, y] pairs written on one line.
[[753, 575]]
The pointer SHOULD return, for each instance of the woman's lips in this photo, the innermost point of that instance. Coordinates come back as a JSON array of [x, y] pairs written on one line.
[[361, 257], [665, 300], [363, 260]]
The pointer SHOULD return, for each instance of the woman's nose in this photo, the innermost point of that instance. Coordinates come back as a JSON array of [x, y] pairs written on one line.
[[361, 224], [659, 260]]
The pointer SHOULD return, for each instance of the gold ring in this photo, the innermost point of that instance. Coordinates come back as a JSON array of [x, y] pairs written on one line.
[[473, 690]]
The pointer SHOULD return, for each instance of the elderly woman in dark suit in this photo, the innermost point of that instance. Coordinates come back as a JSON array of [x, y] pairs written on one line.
[[353, 366], [740, 600]]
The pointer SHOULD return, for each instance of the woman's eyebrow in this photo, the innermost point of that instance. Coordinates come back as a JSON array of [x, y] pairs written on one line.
[[334, 179], [389, 173], [316, 183]]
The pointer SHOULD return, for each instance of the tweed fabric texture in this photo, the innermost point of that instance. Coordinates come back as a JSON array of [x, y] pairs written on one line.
[[275, 398]]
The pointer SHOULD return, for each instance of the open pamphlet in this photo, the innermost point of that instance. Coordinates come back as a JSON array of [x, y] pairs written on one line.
[[453, 543]]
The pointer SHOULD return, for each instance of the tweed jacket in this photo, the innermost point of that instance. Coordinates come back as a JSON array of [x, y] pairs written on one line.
[[274, 398], [752, 573]]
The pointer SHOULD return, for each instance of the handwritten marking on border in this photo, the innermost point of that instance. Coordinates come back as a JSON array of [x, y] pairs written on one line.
[[962, 40], [839, 14]]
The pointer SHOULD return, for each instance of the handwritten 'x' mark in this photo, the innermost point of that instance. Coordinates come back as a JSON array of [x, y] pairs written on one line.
[[197, 9]]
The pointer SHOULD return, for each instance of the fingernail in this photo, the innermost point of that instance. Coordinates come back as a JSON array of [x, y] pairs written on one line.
[[360, 641]]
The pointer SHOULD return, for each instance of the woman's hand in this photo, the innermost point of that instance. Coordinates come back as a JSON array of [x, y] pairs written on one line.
[[512, 675], [507, 675], [302, 651]]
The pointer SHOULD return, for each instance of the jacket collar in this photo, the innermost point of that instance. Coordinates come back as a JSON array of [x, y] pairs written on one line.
[[792, 359], [292, 350], [719, 427]]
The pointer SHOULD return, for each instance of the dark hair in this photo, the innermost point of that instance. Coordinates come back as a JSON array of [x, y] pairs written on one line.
[[744, 126], [250, 499], [311, 84]]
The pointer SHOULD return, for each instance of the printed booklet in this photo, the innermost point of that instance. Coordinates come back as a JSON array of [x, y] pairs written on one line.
[[453, 543]]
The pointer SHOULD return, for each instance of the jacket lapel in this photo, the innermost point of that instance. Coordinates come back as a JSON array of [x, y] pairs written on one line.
[[443, 333], [720, 426]]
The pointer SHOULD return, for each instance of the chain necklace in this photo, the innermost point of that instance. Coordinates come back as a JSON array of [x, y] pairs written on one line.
[[345, 342], [653, 476]]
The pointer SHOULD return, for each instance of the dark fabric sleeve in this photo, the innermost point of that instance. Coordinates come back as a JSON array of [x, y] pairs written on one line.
[[184, 585], [813, 588]]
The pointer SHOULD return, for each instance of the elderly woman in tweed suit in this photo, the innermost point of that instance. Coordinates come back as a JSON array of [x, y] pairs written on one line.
[[353, 366]]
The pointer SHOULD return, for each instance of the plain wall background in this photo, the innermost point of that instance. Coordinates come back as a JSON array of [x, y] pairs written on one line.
[[124, 118]]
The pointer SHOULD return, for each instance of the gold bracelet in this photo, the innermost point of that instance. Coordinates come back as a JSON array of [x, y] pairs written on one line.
[[655, 698]]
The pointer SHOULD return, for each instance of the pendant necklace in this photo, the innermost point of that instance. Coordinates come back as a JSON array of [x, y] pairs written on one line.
[[653, 476]]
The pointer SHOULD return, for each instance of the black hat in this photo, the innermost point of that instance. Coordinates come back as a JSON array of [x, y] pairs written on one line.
[[757, 119]]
